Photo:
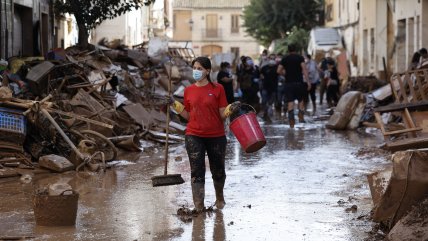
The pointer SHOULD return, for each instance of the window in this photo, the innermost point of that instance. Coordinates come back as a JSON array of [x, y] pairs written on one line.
[[235, 23]]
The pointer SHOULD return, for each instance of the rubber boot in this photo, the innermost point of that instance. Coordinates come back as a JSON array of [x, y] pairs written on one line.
[[301, 115], [219, 202], [291, 120], [198, 192]]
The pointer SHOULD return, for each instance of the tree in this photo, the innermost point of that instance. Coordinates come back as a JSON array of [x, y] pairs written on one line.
[[267, 20], [90, 13], [297, 36]]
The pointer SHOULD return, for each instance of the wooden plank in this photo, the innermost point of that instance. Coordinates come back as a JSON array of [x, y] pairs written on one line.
[[403, 93], [72, 115], [419, 87], [408, 121], [380, 123], [408, 118], [400, 106], [390, 133], [408, 80], [405, 144], [139, 114]]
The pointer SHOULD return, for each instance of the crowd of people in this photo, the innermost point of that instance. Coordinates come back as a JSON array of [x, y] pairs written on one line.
[[280, 81]]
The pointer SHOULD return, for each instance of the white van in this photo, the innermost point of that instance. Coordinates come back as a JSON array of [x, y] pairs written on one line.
[[322, 41]]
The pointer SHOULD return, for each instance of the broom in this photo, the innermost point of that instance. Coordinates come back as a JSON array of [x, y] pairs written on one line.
[[167, 179]]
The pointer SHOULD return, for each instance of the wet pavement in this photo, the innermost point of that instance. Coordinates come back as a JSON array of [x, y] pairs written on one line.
[[300, 186]]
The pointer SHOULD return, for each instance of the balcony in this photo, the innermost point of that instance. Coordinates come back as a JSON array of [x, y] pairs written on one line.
[[211, 34]]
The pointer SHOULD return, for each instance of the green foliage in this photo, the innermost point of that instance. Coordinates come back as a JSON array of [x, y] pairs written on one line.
[[298, 36], [267, 20], [90, 13]]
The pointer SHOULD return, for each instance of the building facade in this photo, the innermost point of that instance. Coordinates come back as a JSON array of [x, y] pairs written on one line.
[[385, 33], [212, 27], [26, 27], [131, 28], [344, 16], [67, 33]]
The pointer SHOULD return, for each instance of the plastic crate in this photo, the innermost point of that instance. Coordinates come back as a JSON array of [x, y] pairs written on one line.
[[12, 126]]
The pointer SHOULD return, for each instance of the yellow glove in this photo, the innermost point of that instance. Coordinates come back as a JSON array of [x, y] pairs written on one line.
[[178, 107], [230, 108]]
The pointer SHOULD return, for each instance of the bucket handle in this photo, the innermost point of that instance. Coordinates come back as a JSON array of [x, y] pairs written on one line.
[[254, 110]]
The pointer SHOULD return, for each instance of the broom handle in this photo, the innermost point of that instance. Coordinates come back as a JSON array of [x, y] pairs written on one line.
[[165, 172]]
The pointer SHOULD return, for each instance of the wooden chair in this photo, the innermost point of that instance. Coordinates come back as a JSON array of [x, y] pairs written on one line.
[[410, 91]]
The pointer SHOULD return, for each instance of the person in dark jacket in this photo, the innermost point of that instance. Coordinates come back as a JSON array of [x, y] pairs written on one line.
[[225, 78], [269, 85], [332, 84], [248, 80]]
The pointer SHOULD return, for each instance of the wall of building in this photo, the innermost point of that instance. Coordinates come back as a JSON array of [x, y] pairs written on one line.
[[182, 28], [226, 39], [424, 24], [127, 27], [395, 33], [344, 15], [25, 27], [381, 40], [407, 18], [5, 28], [341, 12], [66, 32]]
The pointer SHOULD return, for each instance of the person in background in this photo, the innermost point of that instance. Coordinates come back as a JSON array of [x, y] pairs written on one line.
[[240, 65], [415, 61], [293, 68], [278, 58], [269, 86], [323, 80], [314, 79], [248, 80], [225, 78], [332, 84], [424, 57], [280, 95], [205, 107], [263, 60]]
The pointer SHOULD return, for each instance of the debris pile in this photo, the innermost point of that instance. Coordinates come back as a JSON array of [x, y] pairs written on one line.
[[399, 110], [75, 108]]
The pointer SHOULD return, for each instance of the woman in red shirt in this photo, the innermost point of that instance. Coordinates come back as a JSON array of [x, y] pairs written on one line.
[[205, 107]]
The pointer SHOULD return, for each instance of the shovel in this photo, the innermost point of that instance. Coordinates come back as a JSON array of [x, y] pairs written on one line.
[[167, 179]]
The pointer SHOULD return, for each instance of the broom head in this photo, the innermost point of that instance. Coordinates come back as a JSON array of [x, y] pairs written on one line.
[[167, 180]]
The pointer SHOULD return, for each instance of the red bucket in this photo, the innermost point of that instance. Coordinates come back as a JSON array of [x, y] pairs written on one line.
[[247, 130]]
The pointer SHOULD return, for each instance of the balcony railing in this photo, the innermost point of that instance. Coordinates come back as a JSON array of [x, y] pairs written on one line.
[[211, 33]]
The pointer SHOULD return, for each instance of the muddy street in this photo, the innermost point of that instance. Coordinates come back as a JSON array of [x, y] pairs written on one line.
[[301, 186]]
